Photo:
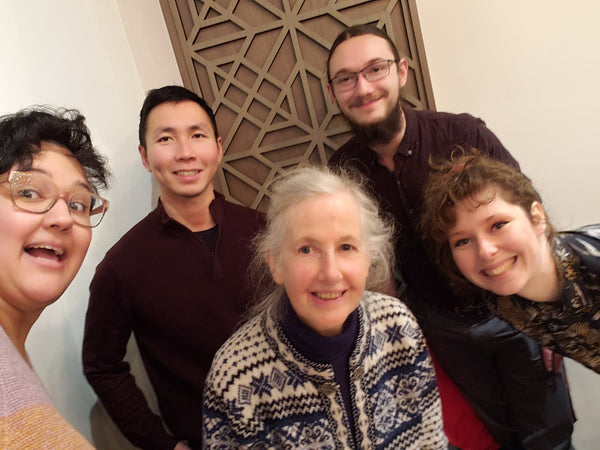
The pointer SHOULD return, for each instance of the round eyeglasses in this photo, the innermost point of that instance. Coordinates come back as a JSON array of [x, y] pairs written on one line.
[[35, 193], [373, 72]]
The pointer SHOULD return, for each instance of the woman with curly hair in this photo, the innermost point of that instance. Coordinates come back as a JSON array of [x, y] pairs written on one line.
[[489, 227], [50, 174]]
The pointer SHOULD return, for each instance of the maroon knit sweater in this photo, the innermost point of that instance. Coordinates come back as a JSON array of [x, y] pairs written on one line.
[[182, 302]]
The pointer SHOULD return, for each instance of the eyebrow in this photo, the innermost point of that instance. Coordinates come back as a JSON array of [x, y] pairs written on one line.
[[486, 220], [169, 129], [85, 185], [344, 239], [454, 234]]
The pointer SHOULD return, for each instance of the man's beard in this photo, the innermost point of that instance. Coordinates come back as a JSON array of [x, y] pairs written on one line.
[[380, 132]]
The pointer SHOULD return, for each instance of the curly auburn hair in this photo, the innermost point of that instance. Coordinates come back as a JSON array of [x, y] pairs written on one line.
[[475, 176]]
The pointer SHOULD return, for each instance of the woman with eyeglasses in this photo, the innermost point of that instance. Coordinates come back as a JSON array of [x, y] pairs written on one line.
[[49, 176]]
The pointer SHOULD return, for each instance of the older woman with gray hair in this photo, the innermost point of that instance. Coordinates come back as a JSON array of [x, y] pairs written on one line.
[[323, 363]]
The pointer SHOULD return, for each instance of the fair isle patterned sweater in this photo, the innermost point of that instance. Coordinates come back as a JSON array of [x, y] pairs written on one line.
[[261, 393], [27, 418]]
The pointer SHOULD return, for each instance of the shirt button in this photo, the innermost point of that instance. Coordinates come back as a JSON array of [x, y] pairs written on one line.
[[410, 152], [357, 374]]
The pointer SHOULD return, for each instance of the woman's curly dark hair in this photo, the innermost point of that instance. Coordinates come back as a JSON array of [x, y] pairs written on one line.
[[467, 175], [22, 133]]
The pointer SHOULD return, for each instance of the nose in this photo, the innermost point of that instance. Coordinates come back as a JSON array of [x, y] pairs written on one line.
[[487, 247], [184, 150], [362, 85], [59, 216], [330, 268]]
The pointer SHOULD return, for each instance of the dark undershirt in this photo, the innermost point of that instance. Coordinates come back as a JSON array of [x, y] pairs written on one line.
[[209, 237], [332, 350]]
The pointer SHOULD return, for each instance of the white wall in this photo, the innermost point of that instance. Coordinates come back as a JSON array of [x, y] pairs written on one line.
[[150, 43], [531, 70]]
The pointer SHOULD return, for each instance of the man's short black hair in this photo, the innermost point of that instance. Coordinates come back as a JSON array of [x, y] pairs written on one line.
[[22, 133], [360, 30], [171, 94]]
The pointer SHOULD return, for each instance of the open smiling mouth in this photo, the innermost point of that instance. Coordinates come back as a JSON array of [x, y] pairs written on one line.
[[187, 173], [500, 269], [45, 251]]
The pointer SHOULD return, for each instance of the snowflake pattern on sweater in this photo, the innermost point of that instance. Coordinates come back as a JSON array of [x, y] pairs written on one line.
[[262, 393]]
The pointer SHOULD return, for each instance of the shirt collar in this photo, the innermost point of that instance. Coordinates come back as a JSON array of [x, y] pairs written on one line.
[[216, 207], [409, 140], [319, 348]]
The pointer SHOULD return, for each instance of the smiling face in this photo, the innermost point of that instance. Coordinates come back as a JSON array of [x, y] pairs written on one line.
[[369, 102], [181, 151], [499, 247], [323, 263], [41, 253]]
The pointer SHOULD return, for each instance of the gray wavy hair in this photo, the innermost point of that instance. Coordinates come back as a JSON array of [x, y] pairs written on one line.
[[302, 183]]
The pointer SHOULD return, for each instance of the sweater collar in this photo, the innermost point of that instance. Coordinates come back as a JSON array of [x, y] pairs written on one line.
[[312, 345], [216, 207], [409, 141]]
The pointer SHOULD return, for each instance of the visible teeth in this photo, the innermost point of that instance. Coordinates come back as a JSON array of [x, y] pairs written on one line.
[[186, 173], [501, 269], [328, 295], [56, 251]]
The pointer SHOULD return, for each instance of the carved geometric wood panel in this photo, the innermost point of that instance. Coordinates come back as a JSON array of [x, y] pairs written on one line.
[[261, 66]]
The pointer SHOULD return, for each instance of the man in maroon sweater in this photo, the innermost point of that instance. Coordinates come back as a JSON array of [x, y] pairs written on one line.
[[176, 279]]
